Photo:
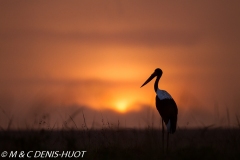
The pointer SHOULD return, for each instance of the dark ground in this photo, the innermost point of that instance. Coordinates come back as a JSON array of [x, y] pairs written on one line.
[[197, 144]]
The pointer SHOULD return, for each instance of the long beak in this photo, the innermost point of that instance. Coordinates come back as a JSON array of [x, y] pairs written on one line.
[[149, 79]]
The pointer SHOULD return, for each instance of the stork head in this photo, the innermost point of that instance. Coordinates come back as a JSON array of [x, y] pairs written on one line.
[[157, 72]]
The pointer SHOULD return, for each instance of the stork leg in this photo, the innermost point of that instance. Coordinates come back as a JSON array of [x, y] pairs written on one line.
[[167, 140], [162, 135]]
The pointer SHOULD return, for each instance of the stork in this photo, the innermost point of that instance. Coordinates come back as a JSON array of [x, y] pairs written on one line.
[[165, 105]]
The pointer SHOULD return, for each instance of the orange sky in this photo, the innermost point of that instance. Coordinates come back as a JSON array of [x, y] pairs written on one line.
[[58, 54]]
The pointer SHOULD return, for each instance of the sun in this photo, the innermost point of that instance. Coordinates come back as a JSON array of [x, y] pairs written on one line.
[[121, 106]]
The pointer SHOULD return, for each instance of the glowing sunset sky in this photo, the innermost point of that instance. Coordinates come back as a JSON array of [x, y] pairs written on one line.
[[96, 54]]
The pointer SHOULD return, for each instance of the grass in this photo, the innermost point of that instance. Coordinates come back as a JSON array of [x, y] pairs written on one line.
[[113, 142], [116, 143]]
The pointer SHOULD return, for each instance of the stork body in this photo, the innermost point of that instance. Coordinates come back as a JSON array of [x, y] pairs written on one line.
[[165, 105], [167, 108]]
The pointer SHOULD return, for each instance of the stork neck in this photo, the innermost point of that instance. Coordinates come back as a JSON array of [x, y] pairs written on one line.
[[156, 83]]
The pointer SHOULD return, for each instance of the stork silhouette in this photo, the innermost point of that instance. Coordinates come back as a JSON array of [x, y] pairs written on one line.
[[165, 105]]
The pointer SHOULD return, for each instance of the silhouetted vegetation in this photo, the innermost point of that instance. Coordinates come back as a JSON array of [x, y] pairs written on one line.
[[116, 143]]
